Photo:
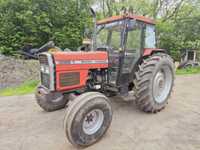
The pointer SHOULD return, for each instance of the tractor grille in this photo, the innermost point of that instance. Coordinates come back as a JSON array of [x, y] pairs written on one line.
[[69, 79], [45, 78], [43, 59]]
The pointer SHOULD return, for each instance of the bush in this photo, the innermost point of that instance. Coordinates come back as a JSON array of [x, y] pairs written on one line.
[[25, 22]]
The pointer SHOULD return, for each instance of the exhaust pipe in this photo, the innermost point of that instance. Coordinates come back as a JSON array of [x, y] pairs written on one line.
[[95, 30]]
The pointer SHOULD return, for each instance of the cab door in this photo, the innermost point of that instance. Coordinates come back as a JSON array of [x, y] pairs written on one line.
[[114, 57], [132, 51]]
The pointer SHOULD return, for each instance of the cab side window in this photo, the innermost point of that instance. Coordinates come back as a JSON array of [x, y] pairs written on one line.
[[134, 38], [150, 37], [116, 40]]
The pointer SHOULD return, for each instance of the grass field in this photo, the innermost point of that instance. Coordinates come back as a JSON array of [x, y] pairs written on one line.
[[188, 71], [26, 88]]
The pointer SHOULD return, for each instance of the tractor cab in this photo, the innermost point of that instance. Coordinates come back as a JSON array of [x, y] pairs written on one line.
[[125, 38]]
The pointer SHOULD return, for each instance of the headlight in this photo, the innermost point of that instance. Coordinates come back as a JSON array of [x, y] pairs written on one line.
[[45, 69], [42, 68]]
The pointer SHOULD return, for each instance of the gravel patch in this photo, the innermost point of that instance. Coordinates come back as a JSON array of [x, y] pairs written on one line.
[[25, 126], [14, 72]]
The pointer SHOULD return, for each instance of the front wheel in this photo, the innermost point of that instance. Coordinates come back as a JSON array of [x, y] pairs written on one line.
[[154, 82], [87, 119]]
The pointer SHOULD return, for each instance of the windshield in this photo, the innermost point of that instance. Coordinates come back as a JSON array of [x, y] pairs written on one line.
[[109, 35]]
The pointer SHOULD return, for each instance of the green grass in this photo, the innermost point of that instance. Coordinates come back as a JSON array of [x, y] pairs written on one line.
[[26, 88], [188, 71]]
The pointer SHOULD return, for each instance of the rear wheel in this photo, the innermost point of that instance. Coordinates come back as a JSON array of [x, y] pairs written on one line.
[[50, 101], [154, 82], [87, 118]]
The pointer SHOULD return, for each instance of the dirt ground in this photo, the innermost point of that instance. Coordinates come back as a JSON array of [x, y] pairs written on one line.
[[24, 126]]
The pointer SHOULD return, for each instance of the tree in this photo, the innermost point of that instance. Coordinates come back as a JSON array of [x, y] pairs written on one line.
[[181, 31], [36, 22]]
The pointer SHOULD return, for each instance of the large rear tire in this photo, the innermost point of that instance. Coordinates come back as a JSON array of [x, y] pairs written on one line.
[[154, 82], [50, 101], [87, 119]]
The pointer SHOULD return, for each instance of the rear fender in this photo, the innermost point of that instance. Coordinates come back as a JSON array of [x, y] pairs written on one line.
[[150, 51]]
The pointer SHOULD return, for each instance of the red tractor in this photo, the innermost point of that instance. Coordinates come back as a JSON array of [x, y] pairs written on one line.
[[123, 61]]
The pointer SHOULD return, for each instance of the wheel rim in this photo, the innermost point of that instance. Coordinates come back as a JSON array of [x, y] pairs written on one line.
[[162, 84], [93, 121]]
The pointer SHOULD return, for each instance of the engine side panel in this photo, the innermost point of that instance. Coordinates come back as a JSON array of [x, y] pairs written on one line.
[[71, 84]]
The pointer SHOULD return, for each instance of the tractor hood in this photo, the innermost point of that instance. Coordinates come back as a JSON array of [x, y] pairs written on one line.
[[80, 60]]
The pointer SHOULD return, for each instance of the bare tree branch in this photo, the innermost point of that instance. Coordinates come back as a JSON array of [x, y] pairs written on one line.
[[172, 13]]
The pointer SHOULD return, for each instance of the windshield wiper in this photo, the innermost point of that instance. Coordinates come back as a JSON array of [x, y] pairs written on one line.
[[101, 29]]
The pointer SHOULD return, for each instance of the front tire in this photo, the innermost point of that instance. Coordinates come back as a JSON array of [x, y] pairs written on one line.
[[154, 82], [87, 119]]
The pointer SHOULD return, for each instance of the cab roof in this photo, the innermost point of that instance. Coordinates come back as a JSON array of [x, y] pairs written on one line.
[[118, 18]]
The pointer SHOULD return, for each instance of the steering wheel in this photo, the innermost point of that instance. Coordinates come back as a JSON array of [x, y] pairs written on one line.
[[104, 48], [67, 50]]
